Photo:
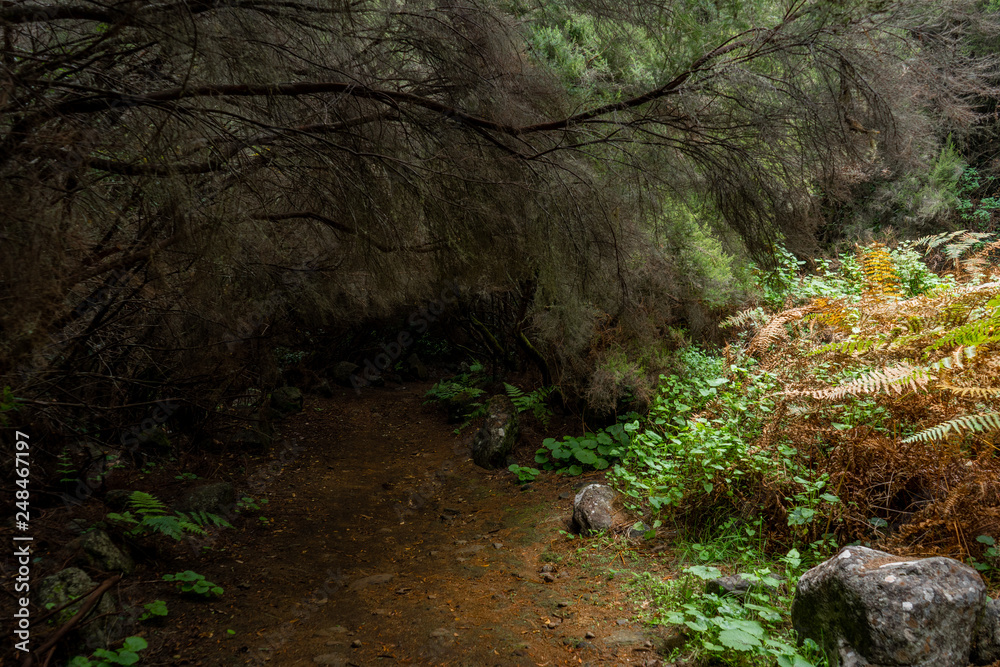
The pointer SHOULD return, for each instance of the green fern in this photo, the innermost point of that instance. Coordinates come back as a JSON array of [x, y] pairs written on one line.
[[989, 421], [207, 519], [851, 346], [972, 334], [534, 401], [153, 516]]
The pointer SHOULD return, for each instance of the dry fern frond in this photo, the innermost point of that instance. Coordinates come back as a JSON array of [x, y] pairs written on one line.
[[835, 313], [774, 331], [981, 259], [973, 392], [751, 316], [893, 379]]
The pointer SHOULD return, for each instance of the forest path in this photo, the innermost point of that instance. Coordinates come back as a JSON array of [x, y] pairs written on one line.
[[389, 546]]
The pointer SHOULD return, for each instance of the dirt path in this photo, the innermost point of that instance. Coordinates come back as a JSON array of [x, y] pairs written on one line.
[[389, 546]]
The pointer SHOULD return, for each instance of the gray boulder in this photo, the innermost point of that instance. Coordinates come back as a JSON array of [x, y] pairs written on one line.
[[100, 552], [870, 608], [216, 498], [986, 639], [496, 438], [286, 400], [593, 509], [66, 585]]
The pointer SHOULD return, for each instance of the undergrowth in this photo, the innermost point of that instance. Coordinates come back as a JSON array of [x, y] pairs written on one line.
[[858, 404]]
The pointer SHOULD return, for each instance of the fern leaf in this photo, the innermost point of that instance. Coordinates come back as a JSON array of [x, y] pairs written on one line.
[[937, 239], [512, 391], [853, 346], [891, 380], [989, 421], [171, 526], [973, 392], [147, 504], [750, 316], [971, 334], [207, 518], [774, 331]]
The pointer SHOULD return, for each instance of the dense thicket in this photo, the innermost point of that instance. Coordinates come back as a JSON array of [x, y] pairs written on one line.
[[187, 184]]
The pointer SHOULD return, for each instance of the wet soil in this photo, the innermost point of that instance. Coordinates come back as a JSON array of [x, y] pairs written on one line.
[[383, 543]]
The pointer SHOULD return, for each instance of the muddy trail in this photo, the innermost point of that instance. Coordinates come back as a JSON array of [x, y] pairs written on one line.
[[385, 544]]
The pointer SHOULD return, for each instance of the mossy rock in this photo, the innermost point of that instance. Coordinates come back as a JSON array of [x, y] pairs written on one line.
[[66, 585], [216, 498], [100, 552]]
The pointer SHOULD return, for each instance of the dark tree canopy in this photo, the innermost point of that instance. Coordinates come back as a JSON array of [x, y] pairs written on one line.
[[180, 179]]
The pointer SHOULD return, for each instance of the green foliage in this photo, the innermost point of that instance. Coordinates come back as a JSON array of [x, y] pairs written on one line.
[[128, 654], [702, 268], [524, 474], [150, 516], [193, 583], [593, 451], [250, 503], [8, 403], [973, 210], [989, 421], [533, 401], [65, 467], [154, 609], [990, 554], [786, 285], [460, 393], [752, 632]]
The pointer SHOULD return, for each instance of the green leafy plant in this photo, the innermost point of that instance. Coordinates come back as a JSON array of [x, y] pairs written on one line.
[[186, 476], [975, 211], [154, 609], [128, 654], [524, 474], [193, 583], [150, 516], [754, 631], [990, 554], [250, 503], [593, 451]]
